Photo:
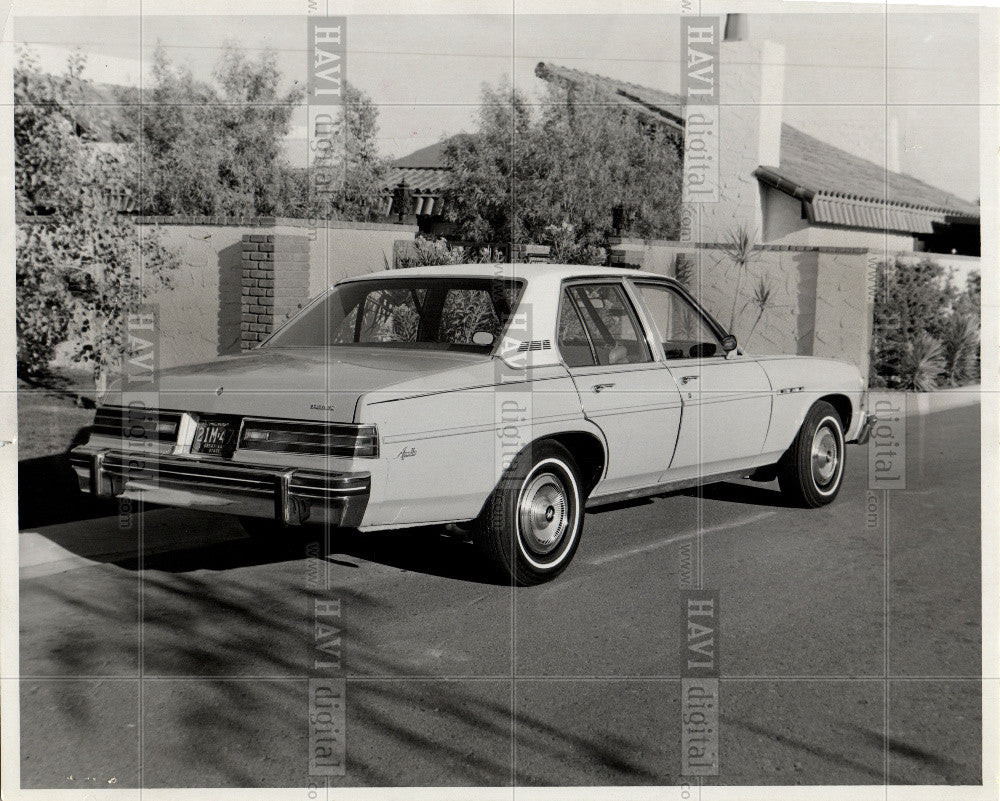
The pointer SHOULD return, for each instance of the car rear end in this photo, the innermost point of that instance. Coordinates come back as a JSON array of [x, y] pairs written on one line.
[[293, 471]]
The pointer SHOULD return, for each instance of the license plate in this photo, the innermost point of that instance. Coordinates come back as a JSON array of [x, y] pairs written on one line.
[[217, 437]]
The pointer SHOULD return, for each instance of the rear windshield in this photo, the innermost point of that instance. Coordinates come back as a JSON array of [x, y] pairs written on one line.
[[436, 313]]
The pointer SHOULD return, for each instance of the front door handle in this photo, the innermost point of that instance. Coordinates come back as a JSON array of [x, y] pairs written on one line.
[[601, 387], [686, 378]]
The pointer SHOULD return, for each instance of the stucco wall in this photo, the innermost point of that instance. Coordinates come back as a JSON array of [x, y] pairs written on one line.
[[200, 314], [340, 251], [819, 301], [844, 308], [750, 79]]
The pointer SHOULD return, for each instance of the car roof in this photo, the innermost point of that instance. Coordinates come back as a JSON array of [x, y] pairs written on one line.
[[507, 271]]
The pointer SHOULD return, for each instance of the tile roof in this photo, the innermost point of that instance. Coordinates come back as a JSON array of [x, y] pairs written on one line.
[[838, 187], [826, 170], [643, 100], [426, 172], [430, 157], [422, 181]]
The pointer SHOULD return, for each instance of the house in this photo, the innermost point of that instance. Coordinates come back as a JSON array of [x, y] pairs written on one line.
[[415, 185], [786, 186], [806, 191]]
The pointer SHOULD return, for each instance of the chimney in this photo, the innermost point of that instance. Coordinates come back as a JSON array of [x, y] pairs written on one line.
[[750, 77]]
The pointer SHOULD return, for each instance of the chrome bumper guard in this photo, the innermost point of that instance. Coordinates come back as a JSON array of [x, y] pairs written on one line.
[[289, 495], [866, 429]]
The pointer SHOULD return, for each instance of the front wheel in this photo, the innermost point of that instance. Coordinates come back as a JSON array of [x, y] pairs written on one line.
[[811, 472], [530, 526]]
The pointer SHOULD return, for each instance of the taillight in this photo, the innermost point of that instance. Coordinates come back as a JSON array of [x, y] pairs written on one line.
[[136, 423], [315, 439]]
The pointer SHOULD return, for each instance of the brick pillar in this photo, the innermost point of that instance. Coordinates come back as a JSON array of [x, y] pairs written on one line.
[[275, 283], [257, 319]]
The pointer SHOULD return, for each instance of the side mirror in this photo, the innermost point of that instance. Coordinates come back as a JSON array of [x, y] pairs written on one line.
[[729, 344], [482, 338]]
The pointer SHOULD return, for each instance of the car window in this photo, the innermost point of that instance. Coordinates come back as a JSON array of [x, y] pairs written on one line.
[[465, 312], [684, 332], [432, 313], [390, 315], [608, 319], [573, 342]]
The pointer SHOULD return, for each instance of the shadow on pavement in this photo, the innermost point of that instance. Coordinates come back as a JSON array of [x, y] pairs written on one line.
[[48, 492]]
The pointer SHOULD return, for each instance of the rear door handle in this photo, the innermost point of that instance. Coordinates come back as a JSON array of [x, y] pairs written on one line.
[[601, 387], [686, 378]]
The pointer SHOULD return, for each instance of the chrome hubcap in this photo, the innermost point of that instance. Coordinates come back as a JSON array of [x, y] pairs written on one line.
[[825, 456], [543, 513]]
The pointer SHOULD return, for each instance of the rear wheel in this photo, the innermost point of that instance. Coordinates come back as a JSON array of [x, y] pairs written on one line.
[[530, 527], [811, 472]]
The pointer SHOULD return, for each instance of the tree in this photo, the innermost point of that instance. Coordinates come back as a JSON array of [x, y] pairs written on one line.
[[557, 177], [213, 149], [493, 172], [83, 267], [597, 156], [361, 196]]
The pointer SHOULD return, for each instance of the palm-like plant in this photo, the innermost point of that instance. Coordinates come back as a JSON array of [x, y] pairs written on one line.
[[761, 300], [741, 248], [960, 344], [922, 362]]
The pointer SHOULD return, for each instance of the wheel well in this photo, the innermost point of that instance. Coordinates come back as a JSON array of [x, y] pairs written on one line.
[[843, 406], [588, 451]]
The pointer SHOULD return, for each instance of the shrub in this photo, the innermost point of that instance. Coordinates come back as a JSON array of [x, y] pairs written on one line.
[[921, 362], [960, 349], [911, 300], [83, 267]]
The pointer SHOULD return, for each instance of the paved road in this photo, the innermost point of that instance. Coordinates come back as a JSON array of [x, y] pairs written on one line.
[[838, 665]]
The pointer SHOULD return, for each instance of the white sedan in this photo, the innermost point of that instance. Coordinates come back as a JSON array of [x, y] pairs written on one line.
[[502, 398]]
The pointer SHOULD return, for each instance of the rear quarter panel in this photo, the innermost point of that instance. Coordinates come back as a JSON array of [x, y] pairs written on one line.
[[443, 451]]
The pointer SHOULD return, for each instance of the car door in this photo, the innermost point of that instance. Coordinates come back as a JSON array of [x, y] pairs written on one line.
[[627, 393], [726, 401]]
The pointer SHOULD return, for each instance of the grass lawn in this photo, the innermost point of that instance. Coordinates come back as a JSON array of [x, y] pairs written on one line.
[[50, 417]]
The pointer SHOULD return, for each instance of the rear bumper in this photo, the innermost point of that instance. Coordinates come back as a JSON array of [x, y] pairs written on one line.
[[867, 423], [289, 495]]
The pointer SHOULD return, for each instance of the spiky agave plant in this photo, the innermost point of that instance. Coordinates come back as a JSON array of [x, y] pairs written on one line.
[[741, 248], [959, 344], [922, 362], [760, 300]]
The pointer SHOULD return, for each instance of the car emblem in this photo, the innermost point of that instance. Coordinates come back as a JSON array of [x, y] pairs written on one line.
[[219, 390]]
